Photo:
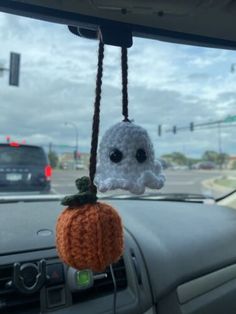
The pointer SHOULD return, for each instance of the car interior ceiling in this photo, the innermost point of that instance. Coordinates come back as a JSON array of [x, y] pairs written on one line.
[[183, 22], [180, 257]]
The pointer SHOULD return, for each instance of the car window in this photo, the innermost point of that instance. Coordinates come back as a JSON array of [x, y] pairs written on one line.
[[20, 155], [183, 95]]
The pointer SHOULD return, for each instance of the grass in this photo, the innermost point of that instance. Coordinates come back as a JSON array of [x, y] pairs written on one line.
[[226, 182]]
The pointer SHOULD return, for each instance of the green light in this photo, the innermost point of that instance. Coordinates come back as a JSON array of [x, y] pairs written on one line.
[[84, 278]]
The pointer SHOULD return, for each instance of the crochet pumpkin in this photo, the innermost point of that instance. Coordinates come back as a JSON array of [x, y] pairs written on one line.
[[89, 233]]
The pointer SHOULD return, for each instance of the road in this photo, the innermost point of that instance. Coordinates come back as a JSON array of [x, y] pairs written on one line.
[[177, 181]]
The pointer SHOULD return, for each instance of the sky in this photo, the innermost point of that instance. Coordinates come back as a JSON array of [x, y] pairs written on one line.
[[169, 84]]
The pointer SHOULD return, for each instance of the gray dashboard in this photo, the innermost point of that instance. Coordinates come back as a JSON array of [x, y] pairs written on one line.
[[185, 254]]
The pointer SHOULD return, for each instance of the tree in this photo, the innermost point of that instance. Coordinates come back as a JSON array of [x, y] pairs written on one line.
[[193, 161], [210, 155], [217, 158], [53, 159], [222, 158], [177, 158]]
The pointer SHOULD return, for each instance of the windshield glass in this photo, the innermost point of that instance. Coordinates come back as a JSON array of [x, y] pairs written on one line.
[[184, 96]]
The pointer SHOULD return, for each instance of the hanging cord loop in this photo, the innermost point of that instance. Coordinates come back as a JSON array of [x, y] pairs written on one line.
[[96, 119], [96, 116], [124, 69]]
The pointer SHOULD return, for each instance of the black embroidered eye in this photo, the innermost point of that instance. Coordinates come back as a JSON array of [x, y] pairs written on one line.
[[141, 155], [116, 155]]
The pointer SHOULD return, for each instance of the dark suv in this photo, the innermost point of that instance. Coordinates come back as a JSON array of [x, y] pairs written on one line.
[[24, 168]]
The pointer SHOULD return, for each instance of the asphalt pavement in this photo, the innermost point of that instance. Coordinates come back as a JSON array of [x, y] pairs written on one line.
[[177, 181]]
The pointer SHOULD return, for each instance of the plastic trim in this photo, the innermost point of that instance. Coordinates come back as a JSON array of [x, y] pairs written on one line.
[[204, 284], [75, 19]]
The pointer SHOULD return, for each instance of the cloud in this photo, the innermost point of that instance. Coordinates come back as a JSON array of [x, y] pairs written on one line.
[[169, 84]]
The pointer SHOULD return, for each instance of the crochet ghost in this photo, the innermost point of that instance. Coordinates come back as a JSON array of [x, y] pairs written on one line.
[[126, 160]]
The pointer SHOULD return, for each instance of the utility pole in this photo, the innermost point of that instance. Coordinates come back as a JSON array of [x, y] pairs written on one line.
[[220, 144], [76, 140], [219, 139]]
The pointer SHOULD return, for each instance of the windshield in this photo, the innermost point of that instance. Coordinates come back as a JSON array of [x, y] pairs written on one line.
[[184, 96]]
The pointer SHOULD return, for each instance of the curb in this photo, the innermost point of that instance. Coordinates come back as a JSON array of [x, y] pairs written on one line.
[[210, 184]]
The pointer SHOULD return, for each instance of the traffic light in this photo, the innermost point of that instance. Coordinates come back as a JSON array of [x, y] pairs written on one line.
[[174, 129], [191, 126], [159, 130], [14, 72]]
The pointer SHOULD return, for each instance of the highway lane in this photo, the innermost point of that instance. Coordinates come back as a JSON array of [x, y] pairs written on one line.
[[177, 181]]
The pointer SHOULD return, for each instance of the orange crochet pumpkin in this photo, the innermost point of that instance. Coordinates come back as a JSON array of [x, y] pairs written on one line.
[[89, 234]]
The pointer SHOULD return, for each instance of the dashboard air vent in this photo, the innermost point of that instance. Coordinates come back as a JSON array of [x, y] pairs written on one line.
[[104, 284], [10, 300]]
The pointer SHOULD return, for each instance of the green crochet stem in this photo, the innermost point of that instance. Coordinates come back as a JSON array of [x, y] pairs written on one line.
[[84, 196]]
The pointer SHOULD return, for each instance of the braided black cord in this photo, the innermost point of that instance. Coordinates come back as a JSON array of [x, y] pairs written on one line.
[[124, 69], [96, 118]]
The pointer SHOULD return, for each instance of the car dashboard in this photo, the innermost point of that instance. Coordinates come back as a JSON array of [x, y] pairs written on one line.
[[178, 258]]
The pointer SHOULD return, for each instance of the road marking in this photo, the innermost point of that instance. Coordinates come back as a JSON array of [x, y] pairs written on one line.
[[63, 185], [54, 191], [179, 183]]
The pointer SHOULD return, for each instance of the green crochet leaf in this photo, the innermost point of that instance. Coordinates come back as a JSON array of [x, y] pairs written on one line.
[[84, 196]]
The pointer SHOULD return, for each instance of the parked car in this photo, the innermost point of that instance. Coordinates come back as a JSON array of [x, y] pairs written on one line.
[[24, 168], [64, 165], [79, 166], [206, 165]]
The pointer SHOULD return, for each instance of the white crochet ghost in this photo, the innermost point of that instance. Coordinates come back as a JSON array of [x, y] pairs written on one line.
[[126, 160]]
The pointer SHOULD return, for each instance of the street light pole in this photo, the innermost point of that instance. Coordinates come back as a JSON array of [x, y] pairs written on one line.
[[219, 139], [76, 138]]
